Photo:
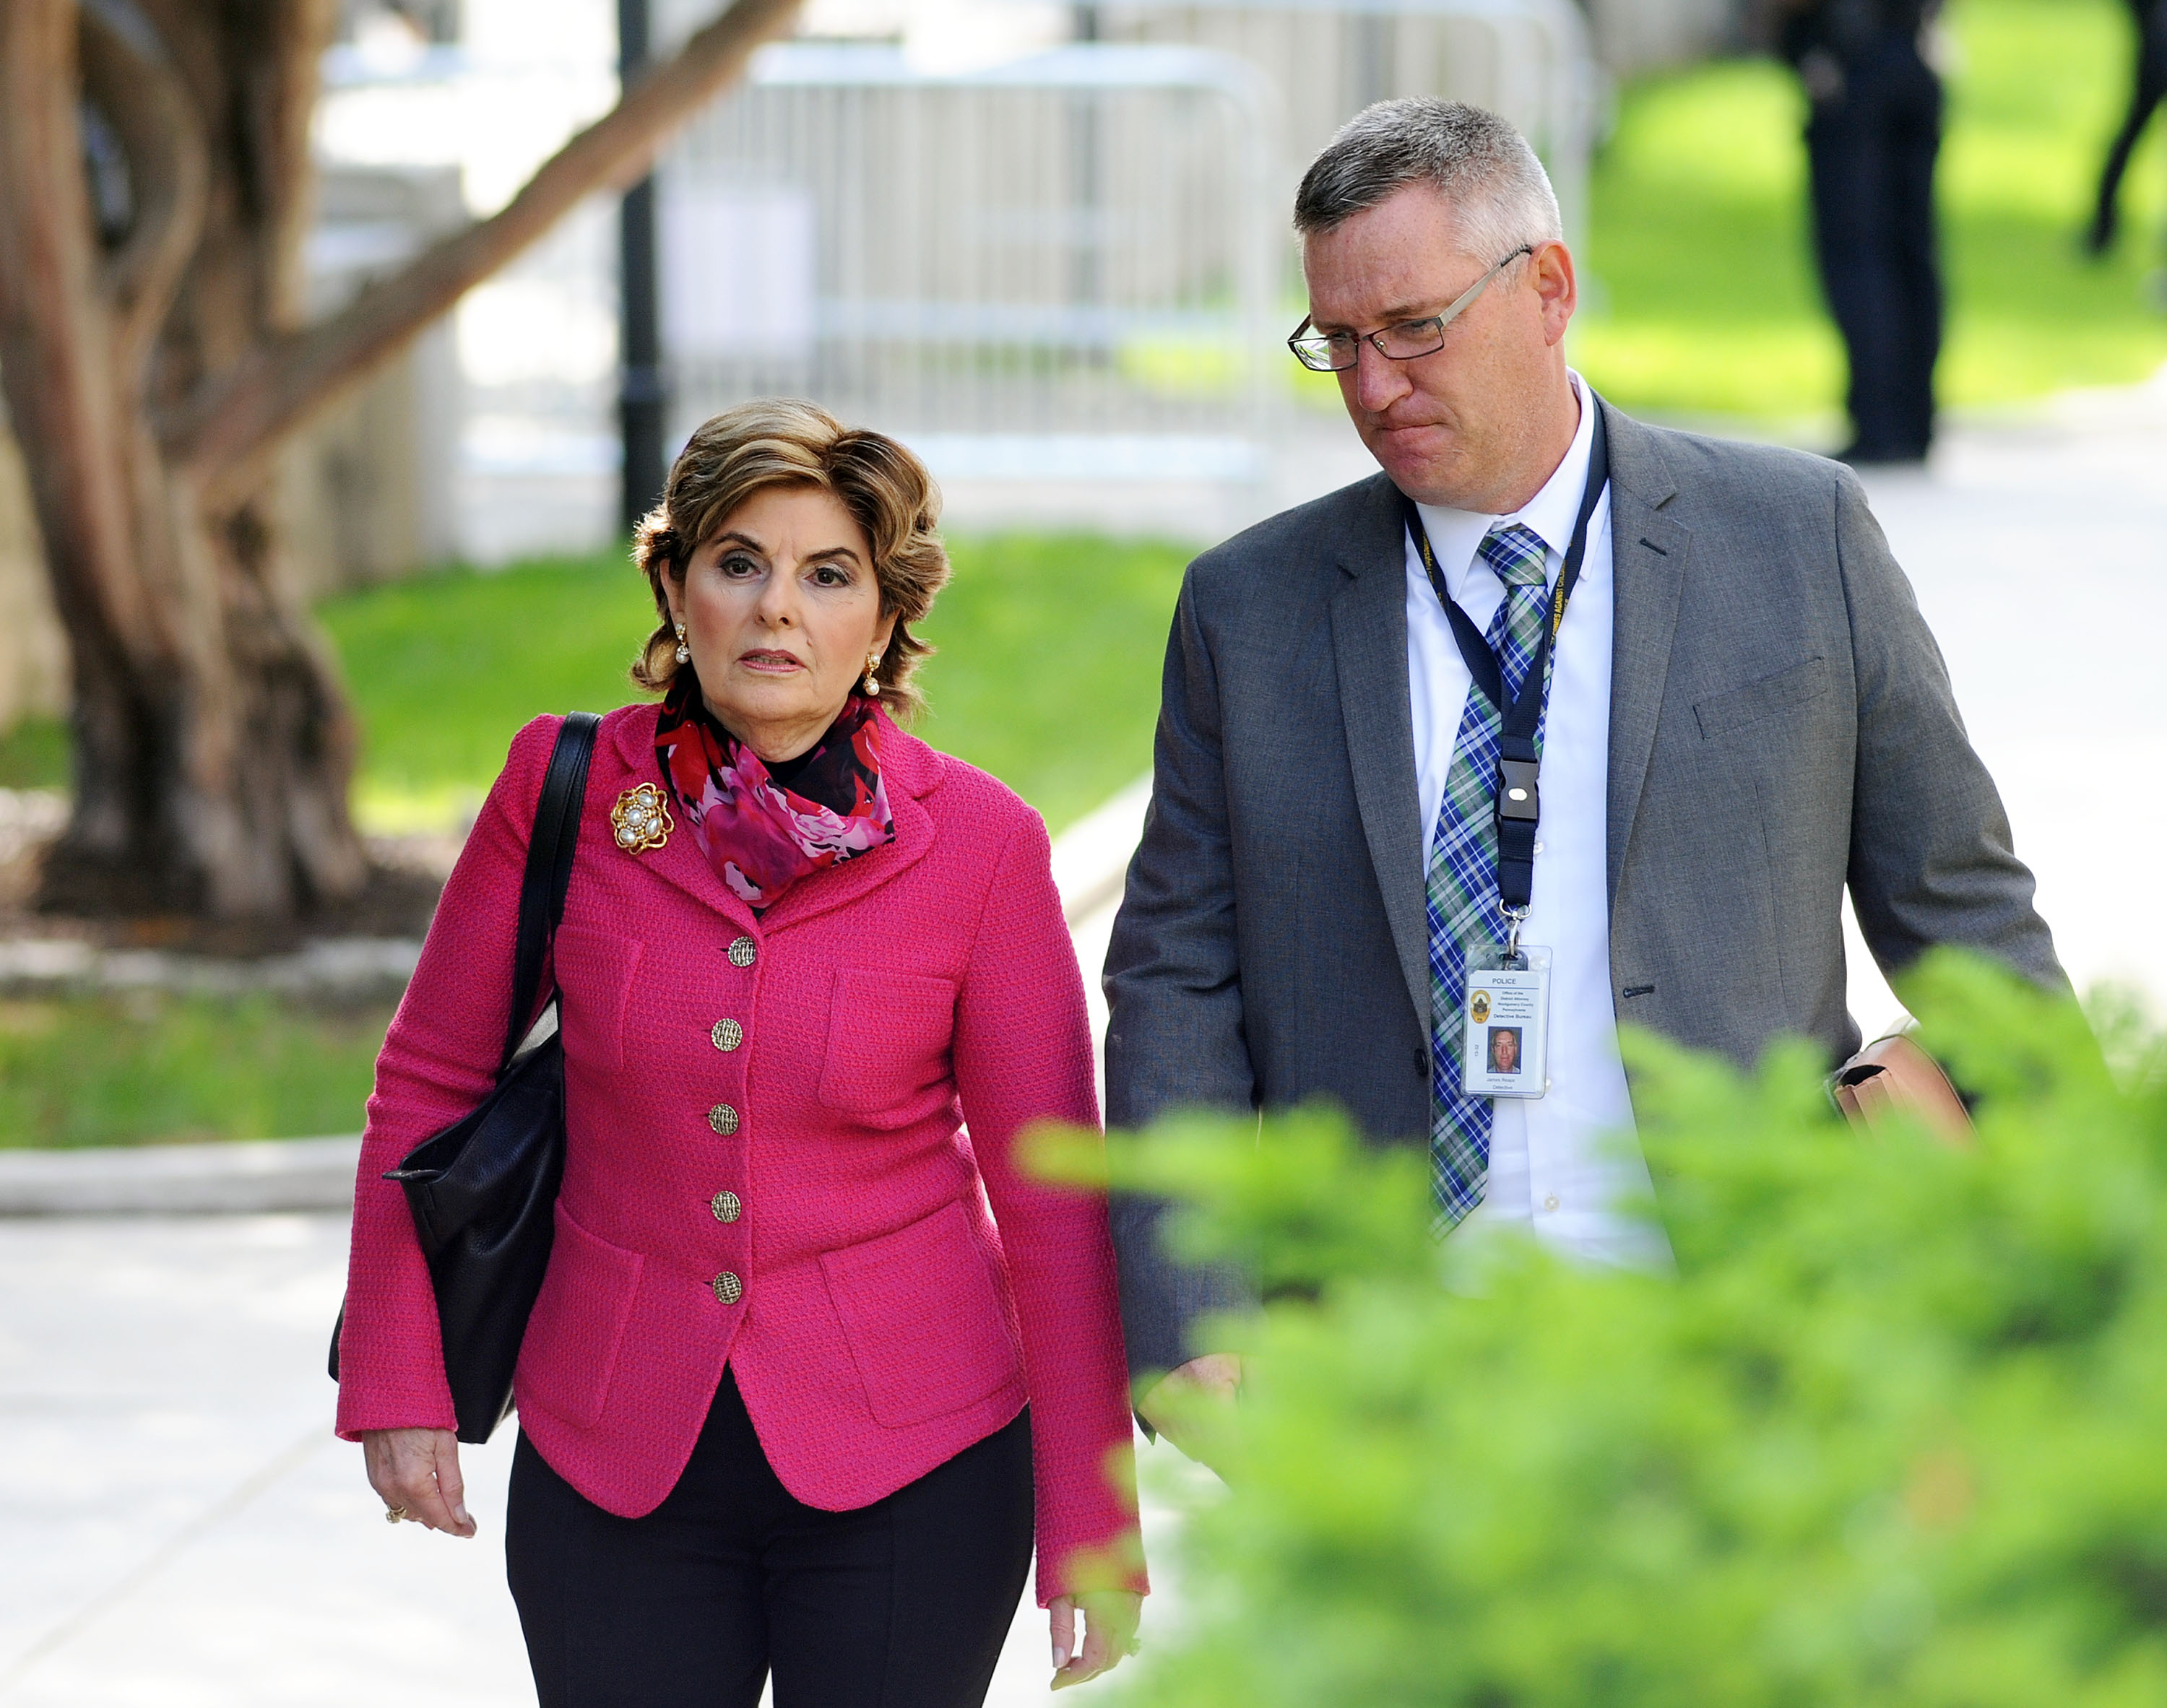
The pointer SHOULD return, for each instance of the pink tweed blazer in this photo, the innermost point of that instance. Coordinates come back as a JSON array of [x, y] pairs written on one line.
[[780, 1101]]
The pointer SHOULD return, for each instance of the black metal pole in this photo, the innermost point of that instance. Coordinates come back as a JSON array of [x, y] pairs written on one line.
[[641, 403]]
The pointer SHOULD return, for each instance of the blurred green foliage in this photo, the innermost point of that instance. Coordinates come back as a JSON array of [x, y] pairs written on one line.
[[1890, 1434], [1704, 298], [142, 1067], [1047, 672], [33, 754]]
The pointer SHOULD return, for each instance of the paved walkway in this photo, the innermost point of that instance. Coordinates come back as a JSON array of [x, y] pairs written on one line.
[[181, 1528], [2039, 551], [177, 1528]]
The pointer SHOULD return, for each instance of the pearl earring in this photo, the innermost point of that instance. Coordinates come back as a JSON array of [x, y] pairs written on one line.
[[684, 652], [872, 682]]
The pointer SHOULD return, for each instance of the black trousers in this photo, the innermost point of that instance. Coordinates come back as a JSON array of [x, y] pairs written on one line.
[[2149, 90], [1872, 147], [903, 1604]]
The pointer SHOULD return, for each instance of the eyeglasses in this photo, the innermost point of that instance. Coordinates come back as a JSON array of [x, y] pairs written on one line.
[[1333, 352]]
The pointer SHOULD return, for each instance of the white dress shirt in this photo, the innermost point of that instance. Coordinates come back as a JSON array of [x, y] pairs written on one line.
[[1560, 1163]]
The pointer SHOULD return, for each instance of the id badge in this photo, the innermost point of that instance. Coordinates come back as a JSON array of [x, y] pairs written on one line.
[[1505, 1053]]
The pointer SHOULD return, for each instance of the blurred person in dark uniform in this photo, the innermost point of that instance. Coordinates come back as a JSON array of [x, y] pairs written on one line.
[[2150, 89], [1872, 141]]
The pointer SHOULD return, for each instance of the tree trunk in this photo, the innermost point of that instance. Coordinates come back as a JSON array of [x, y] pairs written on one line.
[[151, 238], [154, 192]]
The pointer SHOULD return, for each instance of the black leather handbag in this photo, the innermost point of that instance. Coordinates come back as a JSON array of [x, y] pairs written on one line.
[[483, 1191]]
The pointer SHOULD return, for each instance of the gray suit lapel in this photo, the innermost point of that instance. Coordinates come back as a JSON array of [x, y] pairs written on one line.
[[1649, 551], [1369, 645]]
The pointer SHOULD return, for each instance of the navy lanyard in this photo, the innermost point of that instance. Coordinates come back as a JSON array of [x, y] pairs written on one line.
[[1519, 761]]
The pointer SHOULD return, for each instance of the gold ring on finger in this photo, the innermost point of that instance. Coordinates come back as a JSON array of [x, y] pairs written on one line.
[[392, 1515]]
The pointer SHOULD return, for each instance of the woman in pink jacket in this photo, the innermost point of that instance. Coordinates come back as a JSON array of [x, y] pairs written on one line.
[[772, 1398]]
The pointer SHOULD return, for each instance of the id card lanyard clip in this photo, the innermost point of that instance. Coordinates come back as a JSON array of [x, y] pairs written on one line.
[[1518, 793], [1519, 803]]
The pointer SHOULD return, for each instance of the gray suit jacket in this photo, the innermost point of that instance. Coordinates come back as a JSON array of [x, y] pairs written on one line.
[[1781, 727]]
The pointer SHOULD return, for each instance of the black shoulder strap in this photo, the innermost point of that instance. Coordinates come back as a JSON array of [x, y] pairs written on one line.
[[549, 850]]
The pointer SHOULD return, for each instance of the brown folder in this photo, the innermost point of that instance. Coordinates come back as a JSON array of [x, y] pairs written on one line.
[[1893, 1074]]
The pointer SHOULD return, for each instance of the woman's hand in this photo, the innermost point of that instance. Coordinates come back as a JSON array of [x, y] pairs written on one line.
[[416, 1472], [1111, 1617]]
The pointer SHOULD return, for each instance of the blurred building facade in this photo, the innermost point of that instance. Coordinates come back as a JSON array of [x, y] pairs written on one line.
[[1642, 35], [363, 496]]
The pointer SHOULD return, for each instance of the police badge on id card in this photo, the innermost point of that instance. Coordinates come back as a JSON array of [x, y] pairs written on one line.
[[1504, 1053]]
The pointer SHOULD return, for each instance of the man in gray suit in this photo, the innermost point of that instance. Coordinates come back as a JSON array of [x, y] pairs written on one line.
[[1559, 711]]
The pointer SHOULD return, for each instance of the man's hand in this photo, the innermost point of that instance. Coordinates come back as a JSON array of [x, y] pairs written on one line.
[[1111, 1617], [416, 1474], [1193, 1406]]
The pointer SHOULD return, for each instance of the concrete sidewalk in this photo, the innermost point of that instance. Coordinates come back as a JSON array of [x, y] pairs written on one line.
[[2038, 547], [181, 1527]]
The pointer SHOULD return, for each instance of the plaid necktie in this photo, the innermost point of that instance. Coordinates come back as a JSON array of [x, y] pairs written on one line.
[[1463, 901]]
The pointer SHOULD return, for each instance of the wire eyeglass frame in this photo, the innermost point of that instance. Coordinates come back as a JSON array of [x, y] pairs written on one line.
[[1313, 350]]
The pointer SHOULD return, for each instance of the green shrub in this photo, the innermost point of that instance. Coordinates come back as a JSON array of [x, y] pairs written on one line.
[[1895, 1431]]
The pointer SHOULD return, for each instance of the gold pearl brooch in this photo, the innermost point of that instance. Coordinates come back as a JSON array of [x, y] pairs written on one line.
[[642, 819]]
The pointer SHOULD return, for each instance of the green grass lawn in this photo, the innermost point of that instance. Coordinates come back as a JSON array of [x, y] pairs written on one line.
[[445, 668], [1047, 672], [1705, 300], [1049, 669], [141, 1067]]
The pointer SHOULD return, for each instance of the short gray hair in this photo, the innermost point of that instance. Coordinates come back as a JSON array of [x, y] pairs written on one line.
[[1482, 167]]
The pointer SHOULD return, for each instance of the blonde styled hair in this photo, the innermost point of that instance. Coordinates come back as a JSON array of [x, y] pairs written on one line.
[[781, 442]]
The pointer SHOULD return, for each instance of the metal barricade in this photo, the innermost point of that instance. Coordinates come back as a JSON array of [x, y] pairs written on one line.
[[1063, 267], [1530, 60], [1075, 265]]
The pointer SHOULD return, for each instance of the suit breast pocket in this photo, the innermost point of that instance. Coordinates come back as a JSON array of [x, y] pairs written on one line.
[[1767, 697], [889, 1036]]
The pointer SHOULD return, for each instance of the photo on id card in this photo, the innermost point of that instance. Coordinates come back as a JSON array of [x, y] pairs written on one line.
[[1508, 1008]]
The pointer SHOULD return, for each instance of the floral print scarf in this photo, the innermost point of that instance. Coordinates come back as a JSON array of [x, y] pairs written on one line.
[[761, 835]]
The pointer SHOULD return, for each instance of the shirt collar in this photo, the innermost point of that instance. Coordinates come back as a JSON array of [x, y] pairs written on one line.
[[1456, 534]]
